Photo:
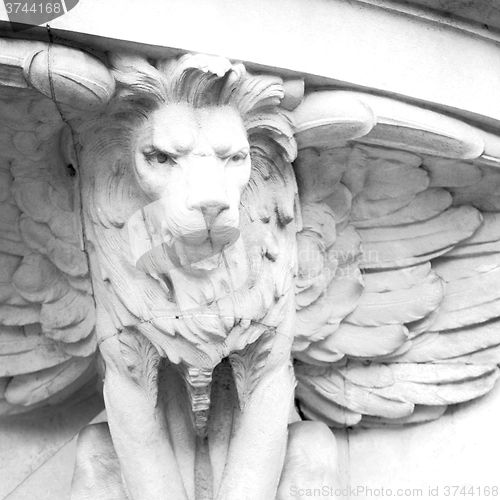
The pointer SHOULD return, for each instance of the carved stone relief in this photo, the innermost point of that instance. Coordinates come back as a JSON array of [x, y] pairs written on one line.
[[243, 266]]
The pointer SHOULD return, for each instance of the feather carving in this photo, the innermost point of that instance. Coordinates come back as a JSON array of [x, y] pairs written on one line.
[[141, 359], [422, 334], [45, 290], [396, 299]]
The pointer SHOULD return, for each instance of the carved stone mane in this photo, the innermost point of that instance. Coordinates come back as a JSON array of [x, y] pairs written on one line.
[[229, 317]]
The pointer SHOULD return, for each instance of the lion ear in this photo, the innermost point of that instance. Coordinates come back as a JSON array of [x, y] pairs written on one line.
[[135, 76]]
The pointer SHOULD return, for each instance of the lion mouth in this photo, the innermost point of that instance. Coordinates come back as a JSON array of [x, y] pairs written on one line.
[[204, 247], [216, 236], [193, 251], [203, 256]]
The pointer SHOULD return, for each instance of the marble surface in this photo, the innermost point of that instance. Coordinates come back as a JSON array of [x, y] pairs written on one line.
[[458, 449], [37, 454], [485, 12], [52, 480]]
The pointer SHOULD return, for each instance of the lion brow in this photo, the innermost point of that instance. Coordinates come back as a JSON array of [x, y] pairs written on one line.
[[225, 150]]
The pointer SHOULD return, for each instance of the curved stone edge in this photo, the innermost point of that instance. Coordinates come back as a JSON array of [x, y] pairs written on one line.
[[69, 76], [328, 117]]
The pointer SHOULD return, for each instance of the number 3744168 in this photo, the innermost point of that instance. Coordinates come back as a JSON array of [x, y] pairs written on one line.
[[464, 491], [35, 8]]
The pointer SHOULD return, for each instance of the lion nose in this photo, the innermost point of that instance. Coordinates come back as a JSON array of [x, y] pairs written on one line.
[[212, 210]]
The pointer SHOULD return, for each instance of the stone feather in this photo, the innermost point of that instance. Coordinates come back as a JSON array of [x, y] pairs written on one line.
[[397, 307]]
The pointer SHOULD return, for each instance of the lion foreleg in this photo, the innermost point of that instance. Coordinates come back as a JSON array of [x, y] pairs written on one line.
[[311, 462], [139, 431], [259, 438]]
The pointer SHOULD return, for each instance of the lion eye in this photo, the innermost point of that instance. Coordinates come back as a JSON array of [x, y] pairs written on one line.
[[162, 158], [238, 158], [159, 157]]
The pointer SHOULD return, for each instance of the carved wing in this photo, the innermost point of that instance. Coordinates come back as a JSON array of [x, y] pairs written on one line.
[[47, 311], [397, 299]]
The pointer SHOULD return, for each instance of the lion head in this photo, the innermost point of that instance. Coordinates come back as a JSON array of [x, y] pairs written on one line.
[[197, 150], [193, 164]]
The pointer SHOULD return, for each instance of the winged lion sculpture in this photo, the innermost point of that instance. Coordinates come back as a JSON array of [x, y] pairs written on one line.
[[161, 226]]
